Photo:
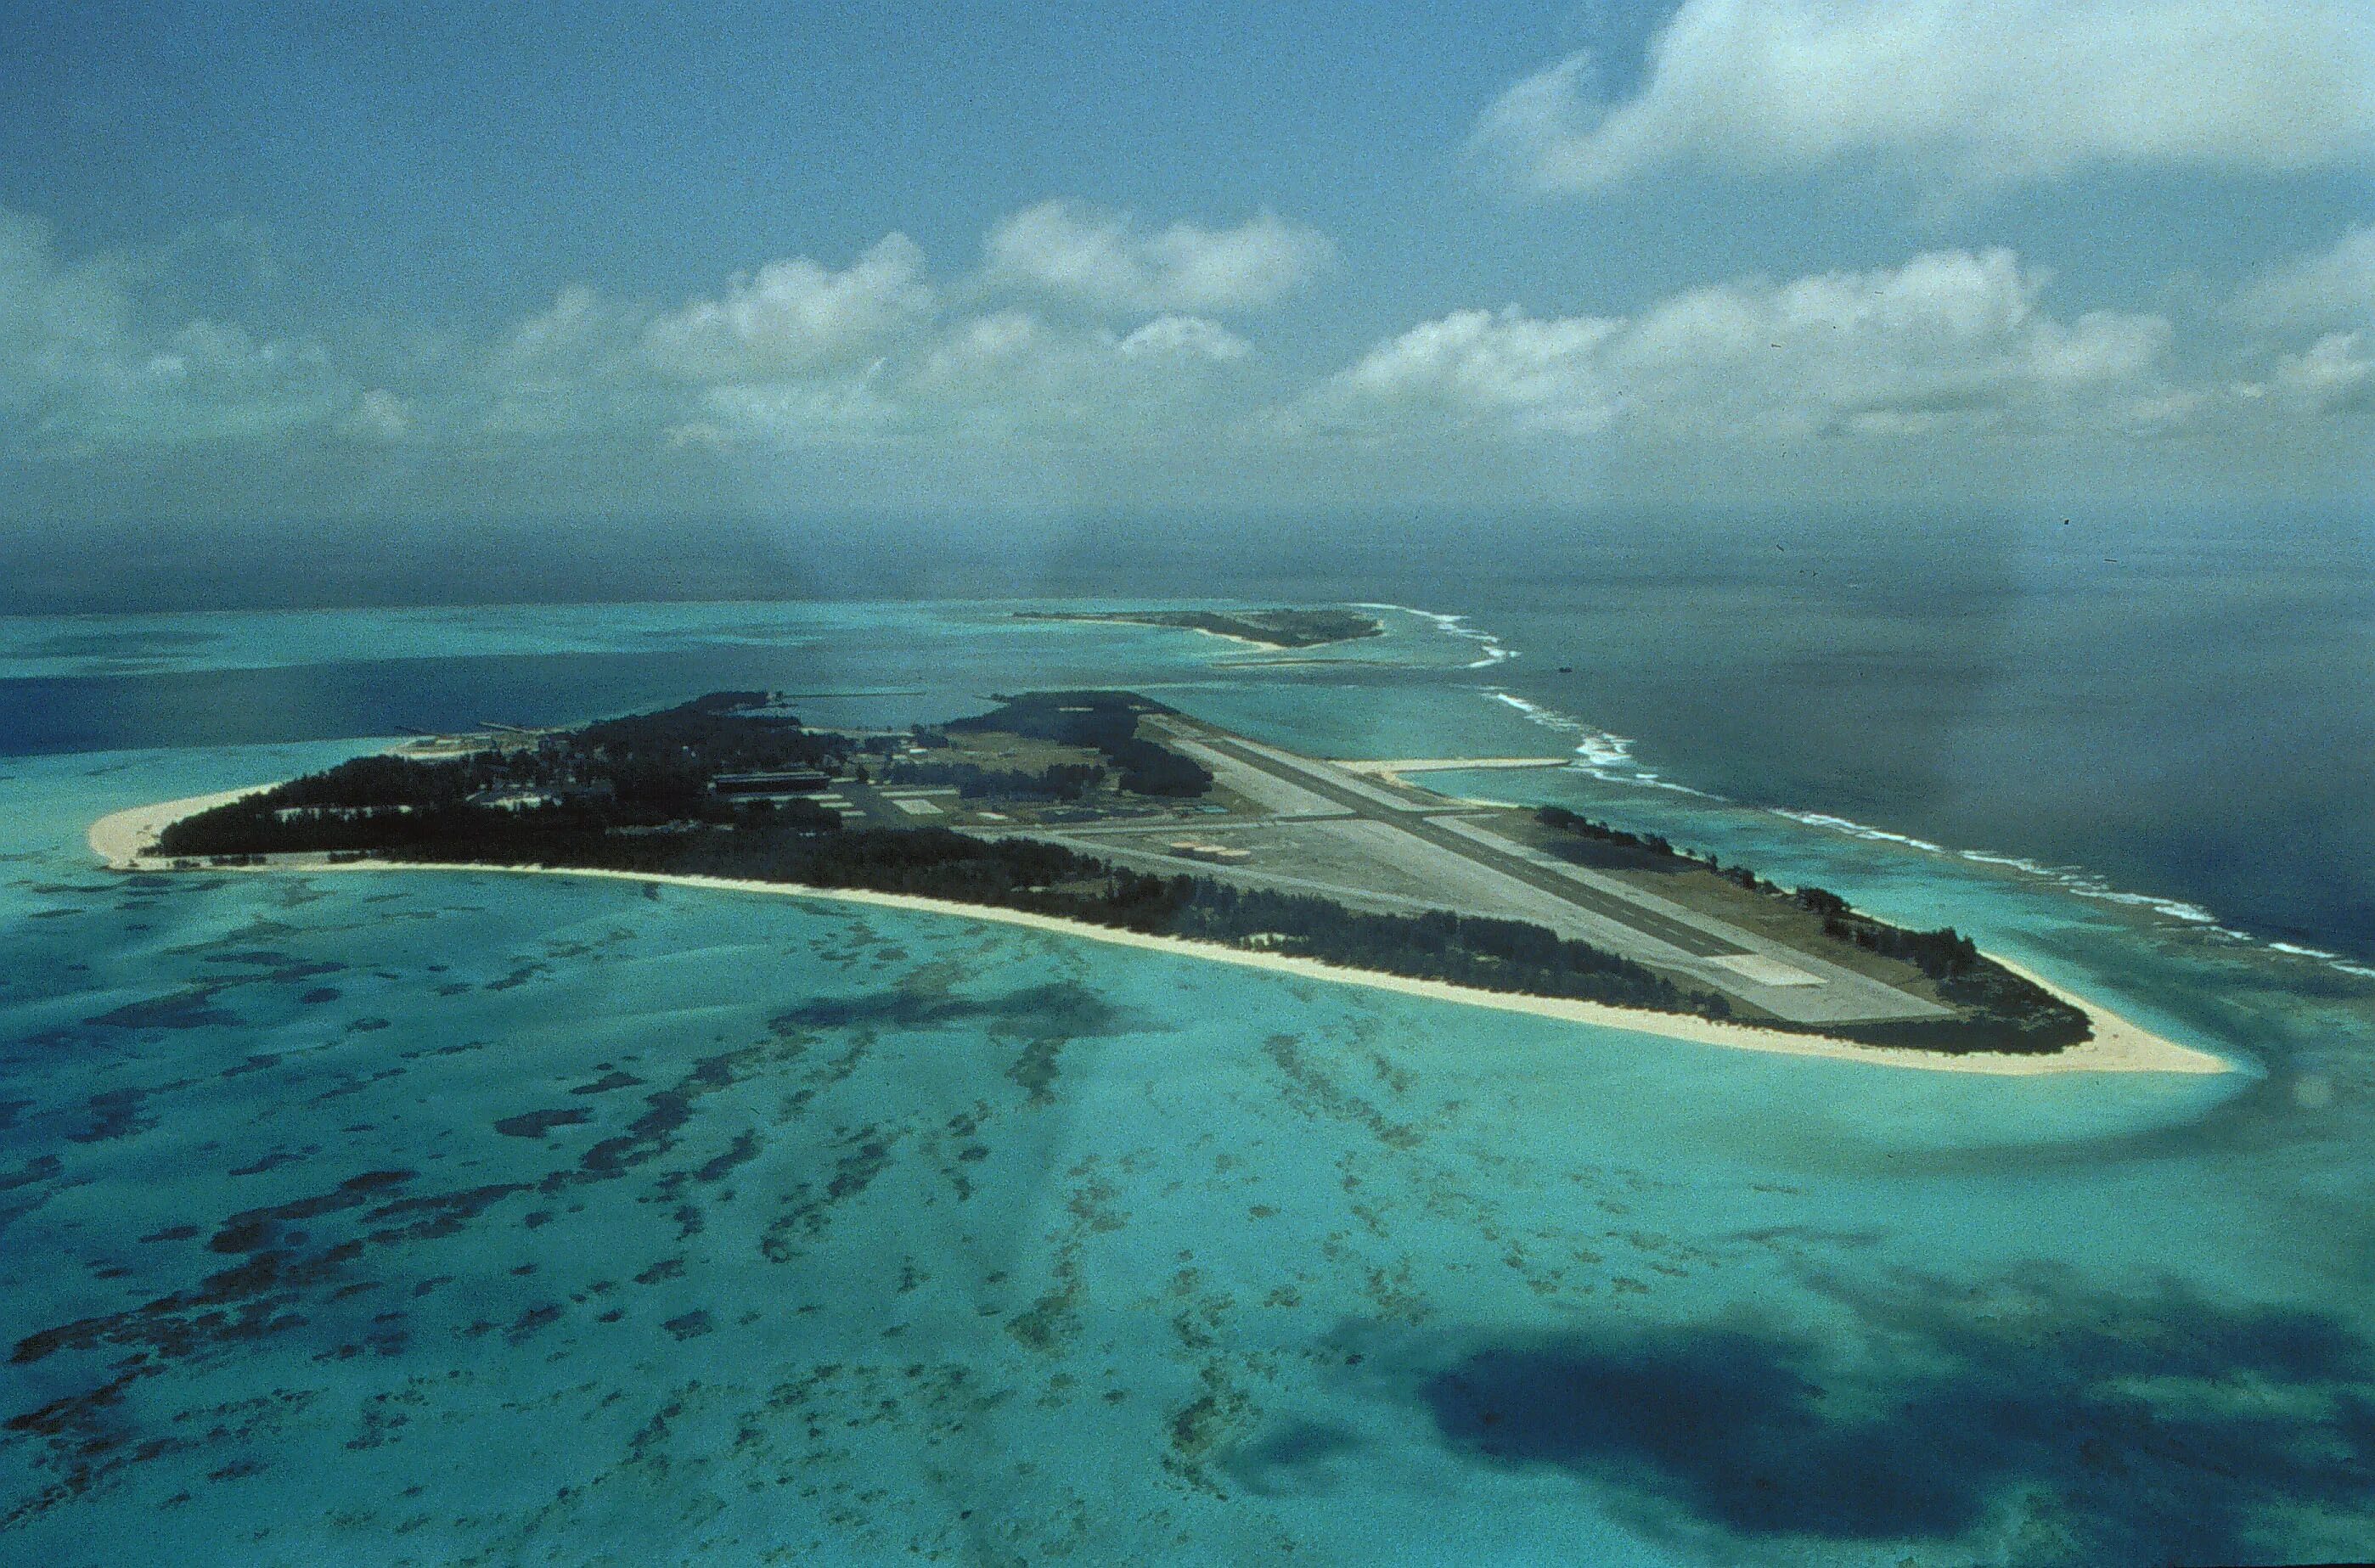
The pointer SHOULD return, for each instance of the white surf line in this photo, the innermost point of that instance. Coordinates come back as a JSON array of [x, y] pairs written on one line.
[[2080, 883], [1493, 650], [1608, 756], [1605, 756]]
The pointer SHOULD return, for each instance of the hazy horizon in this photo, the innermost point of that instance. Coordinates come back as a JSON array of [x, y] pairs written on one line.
[[258, 276]]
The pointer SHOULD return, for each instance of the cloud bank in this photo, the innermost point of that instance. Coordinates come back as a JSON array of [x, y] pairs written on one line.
[[1976, 92], [1106, 261], [1950, 338], [1126, 362]]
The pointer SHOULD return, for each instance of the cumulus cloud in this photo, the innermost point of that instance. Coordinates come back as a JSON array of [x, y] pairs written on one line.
[[1106, 261], [1184, 337], [83, 369], [378, 416], [2334, 374], [2333, 284], [1978, 92], [1951, 339], [999, 374], [795, 316], [1015, 371]]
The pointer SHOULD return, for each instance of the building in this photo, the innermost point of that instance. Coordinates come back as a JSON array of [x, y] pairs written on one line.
[[781, 781], [1218, 853]]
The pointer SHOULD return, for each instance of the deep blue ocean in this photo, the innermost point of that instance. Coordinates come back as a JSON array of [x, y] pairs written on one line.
[[460, 1218]]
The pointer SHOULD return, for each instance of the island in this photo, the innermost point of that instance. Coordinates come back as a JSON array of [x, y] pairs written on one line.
[[1282, 628], [1111, 815]]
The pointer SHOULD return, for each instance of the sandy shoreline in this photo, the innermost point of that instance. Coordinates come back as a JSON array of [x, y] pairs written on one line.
[[2119, 1046], [123, 838]]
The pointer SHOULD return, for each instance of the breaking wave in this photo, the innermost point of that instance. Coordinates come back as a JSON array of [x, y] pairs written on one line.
[[1491, 651], [1601, 753], [1608, 756]]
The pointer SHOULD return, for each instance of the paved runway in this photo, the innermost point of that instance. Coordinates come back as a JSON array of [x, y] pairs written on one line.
[[1477, 871]]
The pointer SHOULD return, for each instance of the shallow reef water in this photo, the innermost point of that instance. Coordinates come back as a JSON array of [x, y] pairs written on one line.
[[464, 1217]]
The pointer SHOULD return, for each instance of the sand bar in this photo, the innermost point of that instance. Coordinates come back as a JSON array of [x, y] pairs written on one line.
[[2118, 1045]]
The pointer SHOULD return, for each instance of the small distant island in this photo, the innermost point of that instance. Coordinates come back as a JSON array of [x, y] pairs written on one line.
[[1108, 813], [1266, 628]]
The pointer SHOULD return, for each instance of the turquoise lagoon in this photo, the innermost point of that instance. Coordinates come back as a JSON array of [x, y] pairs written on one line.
[[464, 1217]]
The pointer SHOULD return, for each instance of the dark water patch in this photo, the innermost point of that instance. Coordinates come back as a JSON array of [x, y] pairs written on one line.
[[1303, 1458], [806, 1212], [253, 1228], [9, 1111], [82, 1444], [666, 1268], [192, 1007], [1034, 1071], [744, 1149], [649, 1136], [1199, 1430], [1315, 1093], [254, 1064], [964, 1128], [531, 1321], [868, 1153], [1063, 1008], [352, 1084], [384, 1336], [536, 1124], [130, 643], [517, 977], [40, 1168], [116, 1114], [364, 698], [442, 1214], [1053, 1319], [172, 1233], [608, 1082], [278, 968], [367, 1025], [2163, 1427], [319, 995], [52, 914], [692, 1325], [277, 1159]]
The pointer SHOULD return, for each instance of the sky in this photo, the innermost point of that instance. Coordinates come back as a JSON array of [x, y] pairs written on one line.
[[360, 265]]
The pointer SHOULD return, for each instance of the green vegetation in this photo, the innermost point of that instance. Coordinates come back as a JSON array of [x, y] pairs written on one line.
[[643, 772], [1273, 629], [1105, 722]]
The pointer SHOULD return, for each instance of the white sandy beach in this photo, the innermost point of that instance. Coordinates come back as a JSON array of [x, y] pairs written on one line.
[[123, 838], [2118, 1045]]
